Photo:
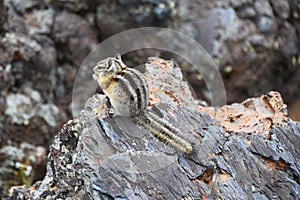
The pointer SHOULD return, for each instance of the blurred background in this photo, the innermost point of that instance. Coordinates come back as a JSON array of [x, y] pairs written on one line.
[[43, 43]]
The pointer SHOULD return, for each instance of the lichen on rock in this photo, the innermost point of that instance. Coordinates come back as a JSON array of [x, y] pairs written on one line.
[[22, 107]]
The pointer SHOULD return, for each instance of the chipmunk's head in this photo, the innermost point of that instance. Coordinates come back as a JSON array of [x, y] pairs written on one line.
[[111, 63], [105, 71]]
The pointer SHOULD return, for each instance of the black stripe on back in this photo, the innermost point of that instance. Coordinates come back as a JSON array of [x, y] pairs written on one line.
[[142, 87], [127, 85], [136, 87]]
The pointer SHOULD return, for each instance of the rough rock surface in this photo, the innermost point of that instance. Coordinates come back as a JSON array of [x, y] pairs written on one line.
[[259, 38], [102, 157], [136, 13], [42, 44], [25, 160], [36, 75]]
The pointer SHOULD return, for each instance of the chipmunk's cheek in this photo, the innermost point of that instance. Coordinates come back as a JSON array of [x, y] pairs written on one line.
[[95, 76]]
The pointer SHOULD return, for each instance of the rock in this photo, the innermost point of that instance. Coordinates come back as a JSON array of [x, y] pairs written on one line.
[[265, 24], [21, 108], [281, 8], [234, 41], [234, 155], [74, 42], [2, 17], [27, 71], [289, 42], [255, 43], [23, 6], [25, 56], [254, 115], [21, 164], [247, 12], [40, 21], [73, 5], [259, 42], [263, 8], [240, 3], [125, 15]]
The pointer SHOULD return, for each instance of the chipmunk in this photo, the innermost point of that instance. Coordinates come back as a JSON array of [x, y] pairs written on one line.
[[128, 93]]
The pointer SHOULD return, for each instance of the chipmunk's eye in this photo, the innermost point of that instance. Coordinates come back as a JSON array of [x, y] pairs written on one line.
[[97, 68]]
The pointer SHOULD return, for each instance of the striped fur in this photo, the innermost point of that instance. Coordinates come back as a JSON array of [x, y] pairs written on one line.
[[164, 131], [128, 92], [140, 85]]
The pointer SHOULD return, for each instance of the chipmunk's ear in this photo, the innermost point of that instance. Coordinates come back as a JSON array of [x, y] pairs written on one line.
[[118, 56], [113, 66], [120, 61]]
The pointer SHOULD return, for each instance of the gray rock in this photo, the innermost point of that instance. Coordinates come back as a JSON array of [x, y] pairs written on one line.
[[22, 107], [74, 36], [102, 157], [266, 24], [263, 8], [240, 3], [247, 12], [281, 8]]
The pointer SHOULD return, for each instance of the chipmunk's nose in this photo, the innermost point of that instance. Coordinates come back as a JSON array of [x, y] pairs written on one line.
[[95, 76]]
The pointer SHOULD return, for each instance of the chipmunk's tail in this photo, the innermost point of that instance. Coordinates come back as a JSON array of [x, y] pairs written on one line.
[[164, 131]]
